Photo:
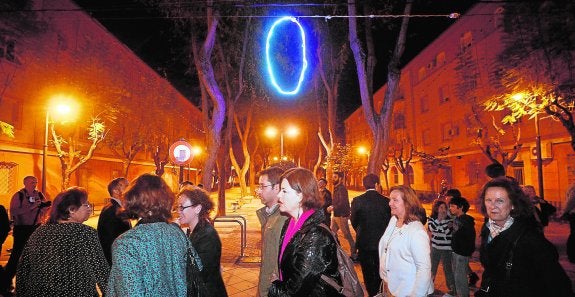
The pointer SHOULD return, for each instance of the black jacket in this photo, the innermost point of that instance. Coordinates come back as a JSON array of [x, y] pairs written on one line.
[[111, 224], [370, 214], [310, 253], [463, 239], [535, 269], [207, 243]]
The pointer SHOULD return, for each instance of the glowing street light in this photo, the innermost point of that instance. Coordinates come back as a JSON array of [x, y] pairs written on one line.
[[290, 131], [61, 108], [363, 151]]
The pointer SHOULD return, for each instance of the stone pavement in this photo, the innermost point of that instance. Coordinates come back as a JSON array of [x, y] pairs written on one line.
[[241, 274]]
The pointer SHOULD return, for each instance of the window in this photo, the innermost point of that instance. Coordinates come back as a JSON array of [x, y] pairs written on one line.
[[7, 49], [398, 121], [443, 93], [8, 173], [465, 41], [449, 131], [474, 172], [518, 172], [421, 73], [426, 137], [440, 59], [424, 104], [395, 175]]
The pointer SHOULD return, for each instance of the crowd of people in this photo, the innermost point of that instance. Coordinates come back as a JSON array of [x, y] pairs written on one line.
[[160, 255]]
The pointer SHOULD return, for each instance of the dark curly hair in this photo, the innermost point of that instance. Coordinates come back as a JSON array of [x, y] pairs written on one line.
[[199, 196], [68, 200], [522, 207]]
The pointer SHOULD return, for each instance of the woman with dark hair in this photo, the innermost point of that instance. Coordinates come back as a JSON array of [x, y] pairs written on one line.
[[404, 253], [441, 227], [517, 258], [149, 259], [194, 208], [307, 250], [64, 257]]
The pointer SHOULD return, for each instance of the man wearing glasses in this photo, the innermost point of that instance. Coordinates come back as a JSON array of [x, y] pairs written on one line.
[[272, 222]]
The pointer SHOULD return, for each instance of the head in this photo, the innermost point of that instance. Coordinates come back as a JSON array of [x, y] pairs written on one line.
[[298, 192], [458, 205], [269, 185], [194, 205], [71, 205], [404, 204], [370, 181], [495, 170], [453, 192], [322, 183], [502, 198], [337, 178], [439, 208], [529, 191], [117, 186], [186, 185], [30, 183], [149, 198]]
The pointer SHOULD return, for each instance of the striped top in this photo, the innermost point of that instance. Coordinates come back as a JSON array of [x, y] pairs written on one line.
[[440, 233]]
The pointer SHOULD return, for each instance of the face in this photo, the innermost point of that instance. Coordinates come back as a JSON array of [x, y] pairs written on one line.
[[187, 211], [442, 209], [454, 210], [321, 185], [81, 214], [289, 199], [397, 204], [335, 179], [498, 205], [120, 188], [30, 184], [267, 192]]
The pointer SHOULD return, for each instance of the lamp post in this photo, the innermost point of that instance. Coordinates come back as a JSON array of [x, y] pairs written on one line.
[[291, 131], [61, 109]]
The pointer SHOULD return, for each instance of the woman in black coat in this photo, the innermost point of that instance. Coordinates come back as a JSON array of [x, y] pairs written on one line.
[[195, 206], [307, 250], [518, 259]]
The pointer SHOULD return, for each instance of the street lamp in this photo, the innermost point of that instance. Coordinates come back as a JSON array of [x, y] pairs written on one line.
[[520, 97], [290, 131], [61, 106]]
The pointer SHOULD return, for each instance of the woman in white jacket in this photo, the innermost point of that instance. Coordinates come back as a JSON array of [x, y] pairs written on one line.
[[404, 253]]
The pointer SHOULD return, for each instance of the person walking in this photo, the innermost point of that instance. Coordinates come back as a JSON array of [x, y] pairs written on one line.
[[404, 251], [271, 221], [63, 257], [307, 250], [150, 259], [341, 211], [440, 225], [112, 221], [370, 214], [194, 209], [462, 244], [27, 208], [517, 258], [325, 195]]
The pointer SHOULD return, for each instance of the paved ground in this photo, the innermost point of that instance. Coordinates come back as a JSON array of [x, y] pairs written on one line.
[[241, 273]]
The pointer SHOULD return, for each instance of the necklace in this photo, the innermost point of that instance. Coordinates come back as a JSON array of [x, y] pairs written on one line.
[[396, 231]]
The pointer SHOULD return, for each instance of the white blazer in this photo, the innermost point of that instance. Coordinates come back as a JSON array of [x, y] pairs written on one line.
[[405, 261]]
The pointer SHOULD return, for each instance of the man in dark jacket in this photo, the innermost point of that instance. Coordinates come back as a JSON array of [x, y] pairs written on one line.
[[341, 211], [112, 223], [370, 214], [462, 244]]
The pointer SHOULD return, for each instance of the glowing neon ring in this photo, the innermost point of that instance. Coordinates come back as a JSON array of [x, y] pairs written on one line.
[[304, 58]]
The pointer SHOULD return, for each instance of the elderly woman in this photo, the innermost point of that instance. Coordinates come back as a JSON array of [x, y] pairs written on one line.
[[64, 256], [149, 259], [405, 263], [307, 250], [518, 259], [194, 209]]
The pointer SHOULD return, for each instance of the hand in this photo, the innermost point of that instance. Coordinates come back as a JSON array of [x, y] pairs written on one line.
[[330, 208]]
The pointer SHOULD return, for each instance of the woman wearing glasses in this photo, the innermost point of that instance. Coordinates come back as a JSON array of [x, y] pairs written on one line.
[[194, 208], [63, 257], [149, 259]]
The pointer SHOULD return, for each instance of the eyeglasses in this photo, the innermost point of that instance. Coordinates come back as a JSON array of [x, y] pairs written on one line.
[[261, 187], [181, 207], [88, 205]]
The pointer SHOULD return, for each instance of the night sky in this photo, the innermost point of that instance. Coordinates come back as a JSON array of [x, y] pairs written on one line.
[[149, 36]]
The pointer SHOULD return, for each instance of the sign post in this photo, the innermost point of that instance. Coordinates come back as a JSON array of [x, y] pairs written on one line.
[[181, 154]]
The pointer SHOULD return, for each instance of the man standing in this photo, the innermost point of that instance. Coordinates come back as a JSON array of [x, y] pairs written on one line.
[[326, 198], [112, 222], [27, 208], [370, 214], [341, 212], [272, 223], [462, 244]]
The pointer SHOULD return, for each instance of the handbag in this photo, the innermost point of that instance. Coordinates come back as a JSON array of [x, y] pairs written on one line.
[[195, 284], [383, 290]]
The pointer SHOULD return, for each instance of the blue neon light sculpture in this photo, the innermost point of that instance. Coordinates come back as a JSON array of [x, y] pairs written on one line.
[[269, 62]]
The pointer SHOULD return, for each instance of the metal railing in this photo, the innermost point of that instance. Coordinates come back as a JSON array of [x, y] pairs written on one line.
[[241, 220]]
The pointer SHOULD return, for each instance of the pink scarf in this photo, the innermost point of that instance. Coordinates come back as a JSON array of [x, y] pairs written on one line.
[[292, 229]]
